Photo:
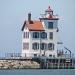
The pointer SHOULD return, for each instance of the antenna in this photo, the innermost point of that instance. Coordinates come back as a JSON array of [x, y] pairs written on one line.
[[68, 50]]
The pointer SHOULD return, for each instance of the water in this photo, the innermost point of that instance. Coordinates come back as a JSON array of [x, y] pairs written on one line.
[[38, 72]]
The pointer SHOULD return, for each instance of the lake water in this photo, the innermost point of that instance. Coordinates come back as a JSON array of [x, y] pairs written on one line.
[[38, 72]]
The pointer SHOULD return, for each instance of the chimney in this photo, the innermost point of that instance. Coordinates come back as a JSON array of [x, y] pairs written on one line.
[[29, 17]]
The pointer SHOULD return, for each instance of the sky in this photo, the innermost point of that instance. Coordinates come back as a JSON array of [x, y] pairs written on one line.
[[14, 12]]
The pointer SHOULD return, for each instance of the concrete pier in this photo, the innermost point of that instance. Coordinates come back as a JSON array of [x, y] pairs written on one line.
[[56, 63]]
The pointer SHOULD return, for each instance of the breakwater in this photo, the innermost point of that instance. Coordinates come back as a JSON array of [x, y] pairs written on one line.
[[18, 64]]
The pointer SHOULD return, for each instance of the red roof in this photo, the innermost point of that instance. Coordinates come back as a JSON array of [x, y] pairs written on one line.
[[34, 26]]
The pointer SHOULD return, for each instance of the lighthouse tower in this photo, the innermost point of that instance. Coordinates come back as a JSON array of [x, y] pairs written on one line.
[[39, 38], [50, 23]]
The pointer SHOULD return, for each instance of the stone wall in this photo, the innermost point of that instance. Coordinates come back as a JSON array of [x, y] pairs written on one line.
[[18, 64]]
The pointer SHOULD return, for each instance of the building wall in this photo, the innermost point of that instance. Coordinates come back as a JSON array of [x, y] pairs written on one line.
[[25, 40]]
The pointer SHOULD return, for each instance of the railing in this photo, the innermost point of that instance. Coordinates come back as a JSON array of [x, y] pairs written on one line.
[[22, 55], [66, 56]]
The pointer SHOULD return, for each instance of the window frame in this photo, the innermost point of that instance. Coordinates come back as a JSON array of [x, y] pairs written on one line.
[[51, 35], [50, 55], [35, 46], [43, 46], [25, 45], [36, 35], [26, 35], [50, 46], [43, 35], [50, 25], [35, 55]]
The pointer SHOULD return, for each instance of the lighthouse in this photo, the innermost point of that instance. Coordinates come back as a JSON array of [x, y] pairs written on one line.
[[39, 38]]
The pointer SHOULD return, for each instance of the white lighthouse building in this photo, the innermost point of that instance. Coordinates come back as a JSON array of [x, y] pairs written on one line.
[[39, 38]]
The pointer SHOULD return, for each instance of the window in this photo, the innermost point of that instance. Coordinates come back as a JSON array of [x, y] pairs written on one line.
[[43, 46], [25, 45], [35, 46], [50, 55], [35, 34], [51, 35], [54, 56], [43, 35], [26, 35], [35, 55], [51, 46], [50, 25], [43, 55]]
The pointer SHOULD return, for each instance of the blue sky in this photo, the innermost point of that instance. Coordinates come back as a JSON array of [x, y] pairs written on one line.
[[14, 12]]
